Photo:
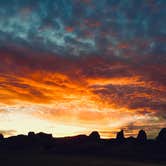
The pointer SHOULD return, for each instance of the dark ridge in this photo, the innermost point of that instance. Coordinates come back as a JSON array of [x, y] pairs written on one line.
[[127, 148]]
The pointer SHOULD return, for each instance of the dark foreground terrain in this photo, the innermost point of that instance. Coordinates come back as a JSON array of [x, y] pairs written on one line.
[[82, 150], [63, 160]]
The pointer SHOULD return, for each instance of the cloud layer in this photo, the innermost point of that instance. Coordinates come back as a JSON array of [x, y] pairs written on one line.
[[82, 65]]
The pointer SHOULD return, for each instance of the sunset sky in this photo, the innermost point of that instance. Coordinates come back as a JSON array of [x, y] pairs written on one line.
[[69, 67]]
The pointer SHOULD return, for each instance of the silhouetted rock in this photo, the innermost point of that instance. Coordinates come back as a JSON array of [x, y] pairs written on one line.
[[1, 137], [94, 136], [120, 136], [31, 134], [162, 135], [131, 139], [92, 145], [142, 137], [79, 138], [42, 135], [44, 138]]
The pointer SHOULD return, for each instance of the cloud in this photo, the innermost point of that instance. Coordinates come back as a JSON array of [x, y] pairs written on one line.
[[7, 133], [2, 111], [86, 65], [88, 85], [84, 28]]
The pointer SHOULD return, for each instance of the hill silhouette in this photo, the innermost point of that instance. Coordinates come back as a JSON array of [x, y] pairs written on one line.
[[130, 148]]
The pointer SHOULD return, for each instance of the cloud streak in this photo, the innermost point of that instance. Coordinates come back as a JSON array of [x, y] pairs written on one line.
[[99, 65], [85, 91]]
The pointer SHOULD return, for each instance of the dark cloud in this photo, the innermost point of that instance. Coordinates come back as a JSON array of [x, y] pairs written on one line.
[[76, 27]]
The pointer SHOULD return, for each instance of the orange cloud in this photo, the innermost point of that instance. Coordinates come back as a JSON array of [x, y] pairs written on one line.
[[93, 92]]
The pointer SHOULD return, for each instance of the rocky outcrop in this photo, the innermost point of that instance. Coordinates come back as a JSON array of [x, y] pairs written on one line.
[[142, 137], [1, 137], [94, 136], [120, 136], [162, 135]]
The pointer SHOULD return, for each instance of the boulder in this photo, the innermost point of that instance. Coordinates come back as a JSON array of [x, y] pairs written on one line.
[[142, 137], [1, 137], [94, 136], [120, 136], [162, 135]]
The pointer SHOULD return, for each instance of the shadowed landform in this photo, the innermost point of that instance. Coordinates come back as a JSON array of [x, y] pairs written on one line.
[[92, 146]]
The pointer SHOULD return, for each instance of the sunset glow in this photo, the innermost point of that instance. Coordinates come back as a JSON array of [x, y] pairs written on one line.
[[70, 73]]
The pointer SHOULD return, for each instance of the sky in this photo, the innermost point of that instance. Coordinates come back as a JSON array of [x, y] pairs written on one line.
[[70, 67]]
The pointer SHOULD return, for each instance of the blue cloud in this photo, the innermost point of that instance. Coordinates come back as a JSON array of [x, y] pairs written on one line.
[[74, 27]]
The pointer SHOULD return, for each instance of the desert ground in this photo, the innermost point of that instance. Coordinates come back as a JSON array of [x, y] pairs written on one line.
[[59, 160]]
